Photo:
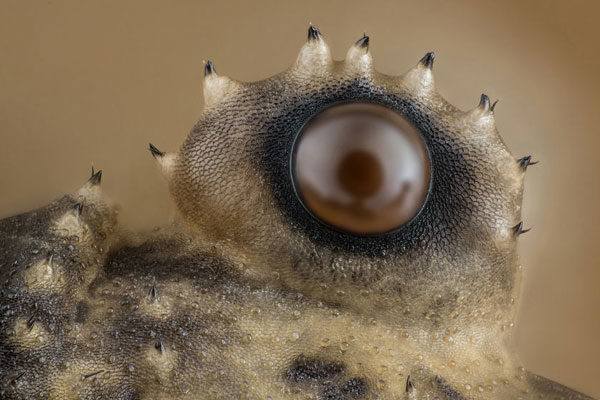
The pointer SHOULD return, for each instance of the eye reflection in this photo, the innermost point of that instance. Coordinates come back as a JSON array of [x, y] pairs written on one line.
[[362, 168]]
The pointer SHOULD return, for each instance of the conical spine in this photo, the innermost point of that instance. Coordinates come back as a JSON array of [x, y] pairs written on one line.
[[314, 57], [358, 58], [216, 87]]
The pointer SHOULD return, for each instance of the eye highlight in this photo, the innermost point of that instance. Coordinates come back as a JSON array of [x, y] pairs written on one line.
[[361, 168]]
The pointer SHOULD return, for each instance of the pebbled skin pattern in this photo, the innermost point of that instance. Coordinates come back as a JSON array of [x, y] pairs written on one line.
[[249, 297]]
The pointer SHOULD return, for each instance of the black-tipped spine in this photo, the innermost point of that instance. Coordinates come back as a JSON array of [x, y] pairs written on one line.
[[78, 208], [153, 294], [160, 346], [31, 322], [19, 376], [209, 68], [154, 151], [92, 374], [95, 178], [363, 42], [484, 103], [313, 34], [493, 107], [409, 385], [427, 60], [518, 229], [526, 162]]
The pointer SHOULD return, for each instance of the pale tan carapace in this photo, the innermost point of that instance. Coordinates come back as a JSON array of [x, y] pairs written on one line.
[[249, 296]]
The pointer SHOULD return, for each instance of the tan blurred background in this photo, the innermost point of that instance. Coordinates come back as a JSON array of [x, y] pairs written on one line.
[[92, 82]]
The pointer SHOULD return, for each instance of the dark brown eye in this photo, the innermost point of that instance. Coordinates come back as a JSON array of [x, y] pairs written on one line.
[[362, 168]]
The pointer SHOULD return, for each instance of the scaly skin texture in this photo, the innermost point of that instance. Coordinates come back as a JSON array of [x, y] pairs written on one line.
[[249, 296]]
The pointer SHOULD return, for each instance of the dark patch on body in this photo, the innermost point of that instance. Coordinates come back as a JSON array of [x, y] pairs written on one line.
[[167, 259], [355, 388], [447, 390], [81, 311], [313, 369], [327, 378]]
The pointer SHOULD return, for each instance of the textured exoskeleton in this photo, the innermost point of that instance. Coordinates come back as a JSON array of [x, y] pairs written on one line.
[[249, 296]]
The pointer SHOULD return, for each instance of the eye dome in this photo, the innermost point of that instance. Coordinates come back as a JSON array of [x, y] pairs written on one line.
[[361, 168]]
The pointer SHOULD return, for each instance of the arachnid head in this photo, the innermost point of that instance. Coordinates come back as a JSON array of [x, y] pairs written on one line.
[[349, 235], [356, 187]]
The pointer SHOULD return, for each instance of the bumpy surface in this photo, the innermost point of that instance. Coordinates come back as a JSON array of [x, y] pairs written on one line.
[[251, 297]]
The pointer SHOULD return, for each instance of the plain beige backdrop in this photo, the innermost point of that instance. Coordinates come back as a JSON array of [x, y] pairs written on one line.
[[92, 82]]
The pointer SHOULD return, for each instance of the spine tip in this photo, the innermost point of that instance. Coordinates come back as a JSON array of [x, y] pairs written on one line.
[[313, 33], [484, 103], [160, 346], [209, 69], [525, 162], [154, 151], [153, 294], [363, 43], [95, 178], [78, 208], [493, 107], [427, 60], [518, 229], [409, 385]]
